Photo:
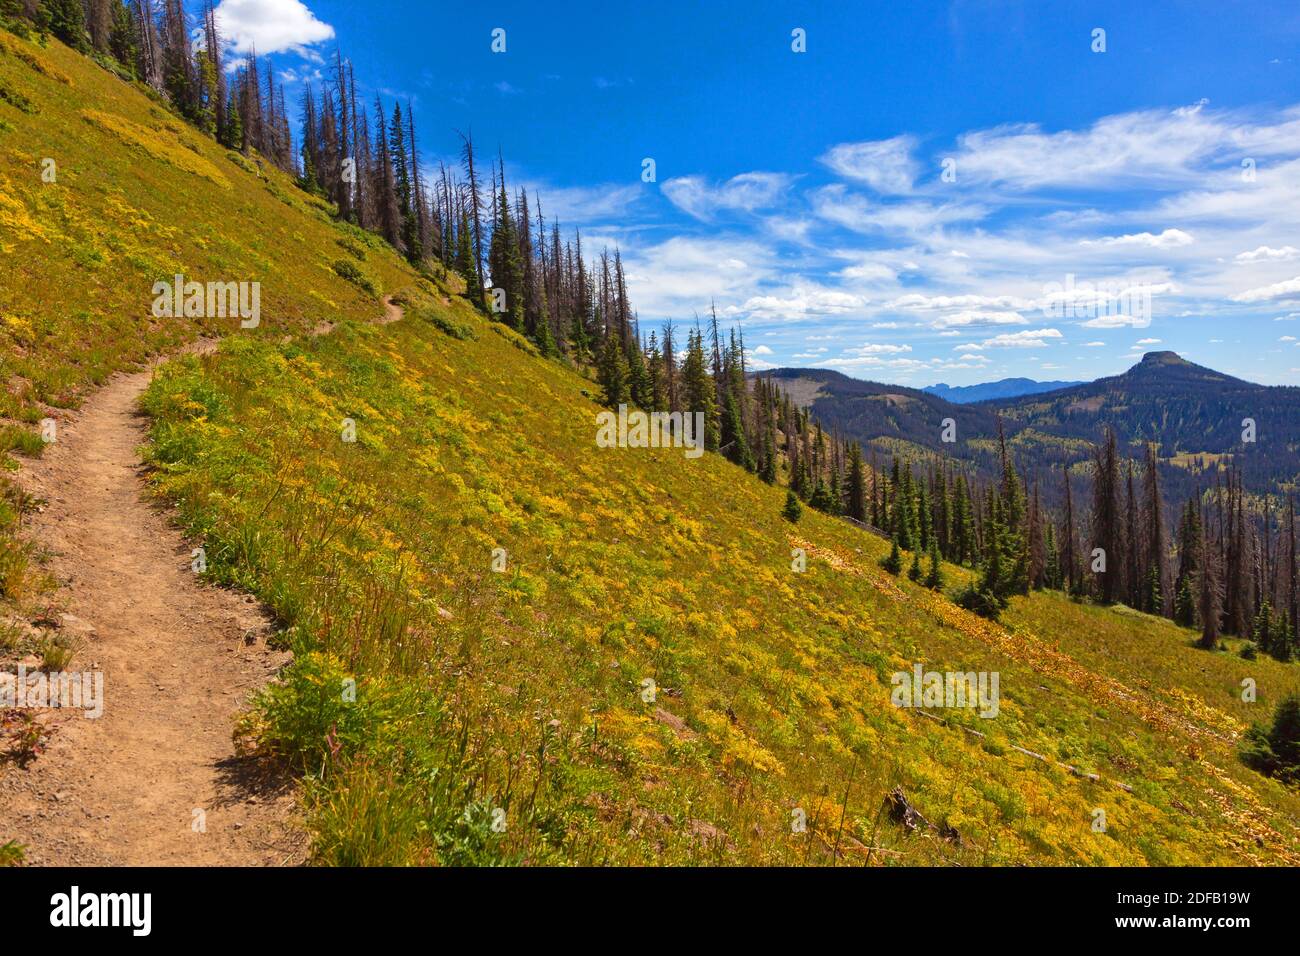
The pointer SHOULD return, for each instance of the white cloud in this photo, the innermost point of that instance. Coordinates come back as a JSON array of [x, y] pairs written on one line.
[[1268, 253], [836, 204], [1093, 345], [1148, 341], [800, 302], [1168, 239], [583, 206], [979, 317], [763, 350], [270, 26], [1029, 339], [747, 192], [876, 348], [1275, 291], [1164, 149], [884, 165]]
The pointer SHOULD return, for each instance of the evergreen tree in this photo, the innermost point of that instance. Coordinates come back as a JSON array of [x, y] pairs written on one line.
[[503, 260], [613, 374], [894, 562], [66, 19], [1210, 600], [1154, 585], [914, 572], [699, 393], [857, 504], [792, 510], [1106, 525], [934, 579]]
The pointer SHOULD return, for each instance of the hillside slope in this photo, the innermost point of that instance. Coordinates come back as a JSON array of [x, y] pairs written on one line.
[[514, 646]]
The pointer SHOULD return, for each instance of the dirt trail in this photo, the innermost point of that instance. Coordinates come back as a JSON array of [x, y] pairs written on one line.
[[179, 658]]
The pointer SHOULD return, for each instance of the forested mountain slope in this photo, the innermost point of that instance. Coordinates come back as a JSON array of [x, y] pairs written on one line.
[[512, 645], [1197, 415]]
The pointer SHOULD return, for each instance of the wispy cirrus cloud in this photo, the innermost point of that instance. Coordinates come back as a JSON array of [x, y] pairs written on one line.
[[886, 166], [747, 192]]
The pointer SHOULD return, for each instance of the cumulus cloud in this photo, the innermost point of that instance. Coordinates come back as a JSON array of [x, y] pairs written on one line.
[[1028, 339], [877, 348], [270, 26], [1276, 290], [1268, 253], [1168, 239], [800, 302]]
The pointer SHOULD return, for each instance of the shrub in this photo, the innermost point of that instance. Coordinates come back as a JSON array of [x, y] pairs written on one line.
[[981, 601], [352, 248], [442, 323], [354, 275], [1276, 752], [11, 853]]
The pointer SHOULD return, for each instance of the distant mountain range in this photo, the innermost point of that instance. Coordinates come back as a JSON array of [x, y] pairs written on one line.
[[1195, 414], [987, 391]]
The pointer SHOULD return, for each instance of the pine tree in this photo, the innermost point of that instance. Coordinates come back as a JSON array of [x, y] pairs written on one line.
[[66, 19], [1210, 600], [792, 510], [1106, 525], [934, 579], [894, 562], [699, 393], [503, 260], [613, 374], [1154, 585], [857, 504]]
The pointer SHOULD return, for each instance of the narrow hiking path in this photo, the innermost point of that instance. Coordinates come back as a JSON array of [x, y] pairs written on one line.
[[179, 657]]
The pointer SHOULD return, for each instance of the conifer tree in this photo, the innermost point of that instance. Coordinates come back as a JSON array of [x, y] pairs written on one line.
[[1154, 585], [613, 374], [894, 562], [857, 504], [792, 510], [934, 579], [1210, 601], [1106, 526]]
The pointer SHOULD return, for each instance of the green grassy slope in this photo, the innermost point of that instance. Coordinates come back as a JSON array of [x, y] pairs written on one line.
[[137, 196], [480, 690]]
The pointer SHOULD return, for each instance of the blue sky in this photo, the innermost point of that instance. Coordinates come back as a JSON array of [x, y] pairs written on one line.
[[1096, 204]]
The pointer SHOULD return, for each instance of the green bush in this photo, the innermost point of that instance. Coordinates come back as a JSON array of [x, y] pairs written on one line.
[[1276, 752], [981, 601], [354, 275]]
